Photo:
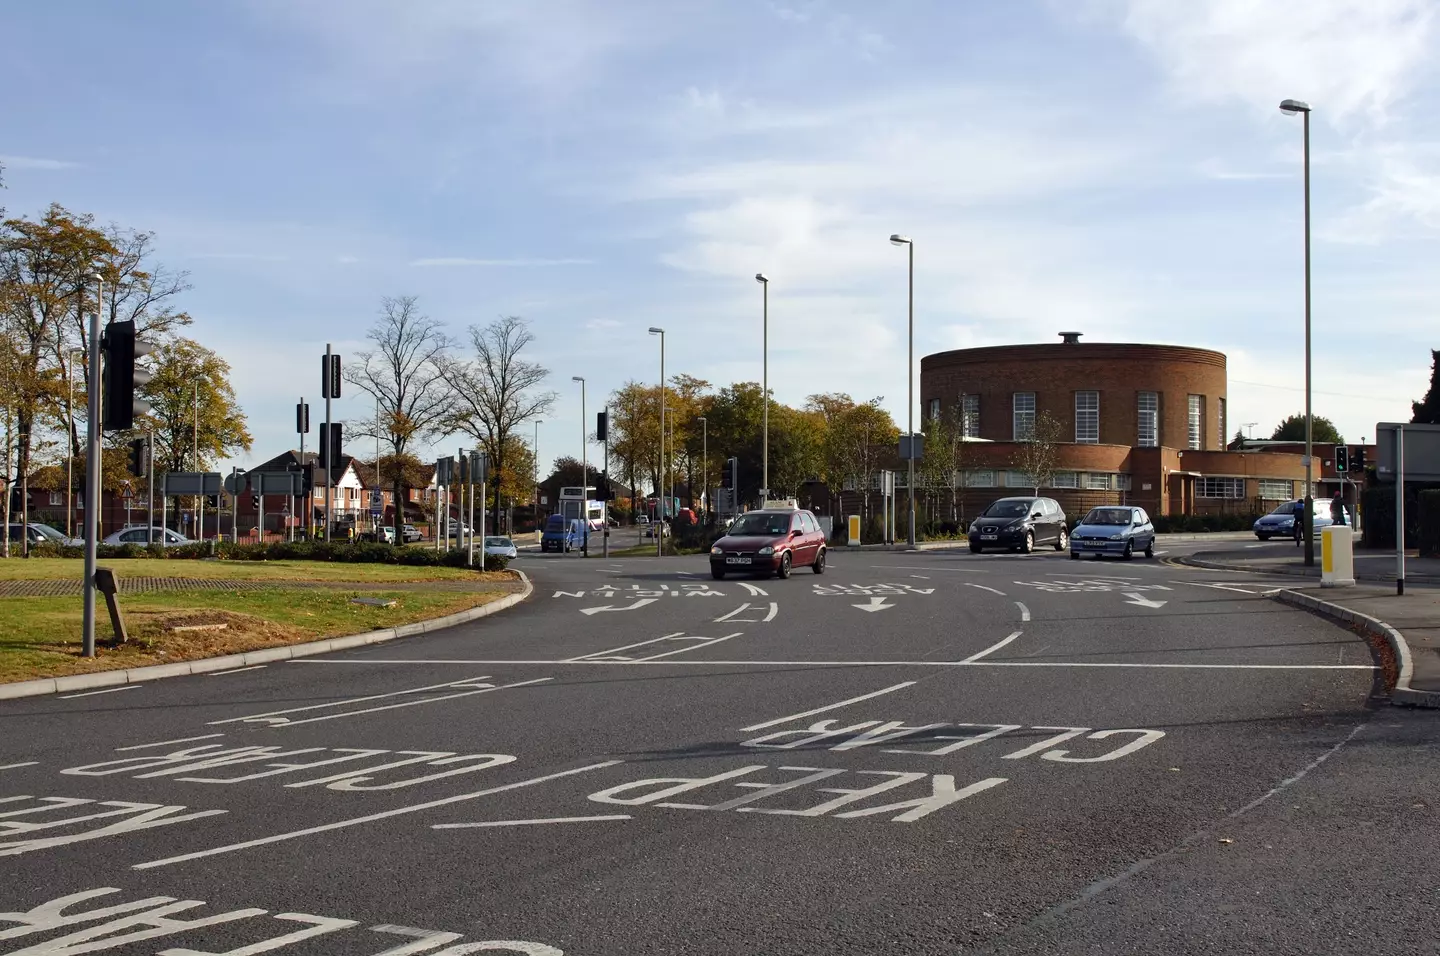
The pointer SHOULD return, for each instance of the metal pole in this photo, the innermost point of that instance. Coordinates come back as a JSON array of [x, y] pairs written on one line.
[[379, 488], [705, 461], [470, 559], [910, 398], [765, 394], [150, 489], [198, 510], [605, 502], [659, 485], [329, 390], [1399, 509], [1309, 422], [92, 477], [70, 461], [584, 477]]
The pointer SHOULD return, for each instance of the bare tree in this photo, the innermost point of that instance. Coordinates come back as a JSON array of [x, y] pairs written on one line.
[[403, 374], [494, 395], [1038, 454]]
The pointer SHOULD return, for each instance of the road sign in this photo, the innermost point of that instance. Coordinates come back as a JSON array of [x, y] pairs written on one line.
[[126, 491], [277, 482], [191, 483]]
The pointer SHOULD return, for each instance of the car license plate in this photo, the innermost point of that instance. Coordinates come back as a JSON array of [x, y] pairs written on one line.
[[988, 537], [737, 560], [1094, 544]]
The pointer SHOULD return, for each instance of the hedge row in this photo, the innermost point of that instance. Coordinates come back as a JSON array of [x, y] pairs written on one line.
[[344, 553]]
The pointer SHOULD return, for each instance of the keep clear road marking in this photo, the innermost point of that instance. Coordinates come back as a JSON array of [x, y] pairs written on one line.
[[984, 588], [1024, 612], [836, 706], [529, 823], [1141, 600], [108, 690], [991, 649], [624, 607], [876, 604], [755, 590], [370, 818]]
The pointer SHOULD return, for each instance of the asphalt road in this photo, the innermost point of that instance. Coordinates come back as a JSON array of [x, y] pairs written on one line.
[[913, 753]]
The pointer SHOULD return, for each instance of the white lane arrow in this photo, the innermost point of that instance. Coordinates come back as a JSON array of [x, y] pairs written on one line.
[[1141, 600], [876, 604], [624, 607]]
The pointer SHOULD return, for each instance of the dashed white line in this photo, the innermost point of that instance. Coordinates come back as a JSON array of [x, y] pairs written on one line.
[[108, 690], [529, 823], [923, 577], [1024, 612], [982, 587], [991, 649], [836, 706], [162, 743], [16, 766]]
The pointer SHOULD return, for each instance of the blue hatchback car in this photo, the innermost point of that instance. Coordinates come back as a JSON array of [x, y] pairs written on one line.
[[1114, 529]]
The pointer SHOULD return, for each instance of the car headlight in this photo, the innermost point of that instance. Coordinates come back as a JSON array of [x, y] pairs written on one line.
[[766, 550], [717, 550], [1116, 537]]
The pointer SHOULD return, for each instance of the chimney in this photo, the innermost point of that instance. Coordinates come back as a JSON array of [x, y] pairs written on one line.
[[1070, 338]]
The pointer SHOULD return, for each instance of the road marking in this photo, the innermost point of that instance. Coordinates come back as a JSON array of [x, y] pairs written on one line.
[[239, 670], [993, 647], [372, 817], [162, 743], [726, 617], [624, 607], [820, 710], [692, 647], [927, 567], [616, 650], [876, 604], [17, 766], [411, 703], [108, 690], [1222, 587], [529, 823], [774, 610], [755, 590], [1024, 612], [352, 700], [1141, 600], [923, 577], [984, 588], [780, 663]]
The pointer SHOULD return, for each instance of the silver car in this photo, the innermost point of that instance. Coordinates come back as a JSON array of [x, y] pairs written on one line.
[[39, 533], [501, 547], [143, 535]]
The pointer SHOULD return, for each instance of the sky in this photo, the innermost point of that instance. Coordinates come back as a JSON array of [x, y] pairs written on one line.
[[1117, 167]]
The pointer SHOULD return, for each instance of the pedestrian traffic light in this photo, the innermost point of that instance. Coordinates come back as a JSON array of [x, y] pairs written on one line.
[[602, 426], [330, 442], [1342, 459], [330, 376], [137, 457], [120, 377]]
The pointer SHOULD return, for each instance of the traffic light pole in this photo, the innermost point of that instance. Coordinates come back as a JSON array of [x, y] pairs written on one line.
[[150, 488], [329, 389], [92, 479], [605, 501]]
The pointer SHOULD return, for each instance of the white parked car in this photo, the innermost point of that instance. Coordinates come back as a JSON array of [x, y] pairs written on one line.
[[410, 533], [143, 535], [501, 547], [44, 534]]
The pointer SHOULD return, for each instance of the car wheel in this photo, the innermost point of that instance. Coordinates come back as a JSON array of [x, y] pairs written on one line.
[[975, 549], [1029, 546], [1150, 549], [819, 566], [783, 571], [717, 573], [1062, 542], [1263, 537], [1129, 550]]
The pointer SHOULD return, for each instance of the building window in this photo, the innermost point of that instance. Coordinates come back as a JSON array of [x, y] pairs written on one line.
[[1097, 482], [1219, 487], [1122, 483], [1065, 479], [1195, 421], [982, 479], [1224, 438], [971, 406], [1275, 489], [934, 409], [1024, 407], [1087, 417], [57, 497], [1148, 413]]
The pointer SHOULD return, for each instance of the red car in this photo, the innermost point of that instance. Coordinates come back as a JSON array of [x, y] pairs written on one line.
[[771, 541]]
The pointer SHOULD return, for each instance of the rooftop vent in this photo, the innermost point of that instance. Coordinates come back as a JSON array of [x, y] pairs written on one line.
[[1070, 338]]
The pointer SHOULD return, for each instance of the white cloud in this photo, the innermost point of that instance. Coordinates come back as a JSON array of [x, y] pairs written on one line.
[[463, 261], [35, 162]]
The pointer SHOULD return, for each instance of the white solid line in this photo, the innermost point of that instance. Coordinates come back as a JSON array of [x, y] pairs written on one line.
[[774, 610], [16, 766], [993, 647], [920, 576], [162, 743], [238, 670], [705, 663], [726, 617], [370, 818], [1024, 612], [692, 647], [984, 588], [108, 690], [411, 703], [835, 706], [616, 650], [754, 589], [337, 703], [528, 823], [1222, 587]]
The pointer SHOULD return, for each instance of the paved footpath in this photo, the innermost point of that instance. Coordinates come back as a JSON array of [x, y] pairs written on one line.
[[913, 753]]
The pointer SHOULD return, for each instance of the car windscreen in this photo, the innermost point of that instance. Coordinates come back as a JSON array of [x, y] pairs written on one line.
[[555, 523], [497, 542], [1288, 508], [1008, 509], [48, 532], [756, 523], [1120, 516]]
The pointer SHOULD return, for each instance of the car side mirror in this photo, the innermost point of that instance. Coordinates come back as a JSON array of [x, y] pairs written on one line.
[[795, 533], [1035, 515]]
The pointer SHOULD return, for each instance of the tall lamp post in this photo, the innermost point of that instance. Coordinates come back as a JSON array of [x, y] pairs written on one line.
[[761, 278], [70, 463], [535, 453], [900, 240], [705, 463], [659, 489], [584, 469], [1292, 107]]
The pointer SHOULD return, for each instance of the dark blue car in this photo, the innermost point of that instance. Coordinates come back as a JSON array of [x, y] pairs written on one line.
[[562, 534], [1114, 529]]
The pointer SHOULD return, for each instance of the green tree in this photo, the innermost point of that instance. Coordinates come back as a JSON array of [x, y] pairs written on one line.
[[635, 429], [1293, 429], [1427, 411], [192, 407]]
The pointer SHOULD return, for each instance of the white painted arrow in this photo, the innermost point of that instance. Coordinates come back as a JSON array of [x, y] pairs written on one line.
[[876, 604], [624, 607], [1141, 600]]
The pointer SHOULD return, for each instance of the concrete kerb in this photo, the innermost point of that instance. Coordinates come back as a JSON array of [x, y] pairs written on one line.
[[135, 675], [1402, 692]]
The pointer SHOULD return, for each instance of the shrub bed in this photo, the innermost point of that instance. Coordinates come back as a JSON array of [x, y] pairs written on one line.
[[352, 553]]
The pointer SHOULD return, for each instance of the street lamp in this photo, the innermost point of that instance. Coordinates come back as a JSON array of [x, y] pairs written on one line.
[[535, 469], [584, 469], [761, 278], [705, 462], [1291, 107], [660, 515], [70, 463], [900, 240]]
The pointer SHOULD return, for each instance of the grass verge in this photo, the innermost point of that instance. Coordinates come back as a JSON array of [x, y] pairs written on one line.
[[49, 569], [39, 637]]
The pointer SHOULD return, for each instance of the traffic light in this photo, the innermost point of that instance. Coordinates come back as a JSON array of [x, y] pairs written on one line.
[[1358, 464], [137, 457], [602, 426], [330, 443], [480, 467], [727, 476], [1342, 459], [212, 501], [255, 500], [120, 377], [302, 418], [330, 376]]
